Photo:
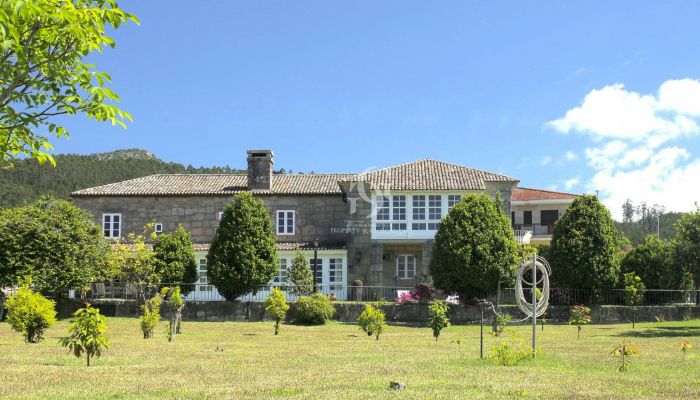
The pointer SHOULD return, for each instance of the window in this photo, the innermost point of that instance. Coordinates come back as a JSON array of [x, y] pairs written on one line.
[[319, 269], [549, 217], [112, 225], [399, 213], [406, 266], [453, 199], [281, 277], [285, 222], [434, 211], [383, 213], [335, 273], [527, 218], [158, 228], [202, 280], [419, 213]]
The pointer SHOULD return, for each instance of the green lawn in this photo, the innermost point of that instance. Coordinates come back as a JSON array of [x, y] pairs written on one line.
[[338, 361]]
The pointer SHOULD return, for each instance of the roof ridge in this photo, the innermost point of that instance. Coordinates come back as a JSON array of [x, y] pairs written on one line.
[[546, 190]]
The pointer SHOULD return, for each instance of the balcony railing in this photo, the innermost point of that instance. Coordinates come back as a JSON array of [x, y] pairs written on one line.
[[536, 229], [522, 236]]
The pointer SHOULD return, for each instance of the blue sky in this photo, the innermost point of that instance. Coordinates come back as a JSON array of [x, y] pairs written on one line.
[[346, 86]]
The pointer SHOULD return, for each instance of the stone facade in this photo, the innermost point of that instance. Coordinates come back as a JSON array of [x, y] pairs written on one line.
[[316, 216]]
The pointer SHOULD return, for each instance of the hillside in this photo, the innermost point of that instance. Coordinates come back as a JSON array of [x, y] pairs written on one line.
[[638, 230], [29, 180]]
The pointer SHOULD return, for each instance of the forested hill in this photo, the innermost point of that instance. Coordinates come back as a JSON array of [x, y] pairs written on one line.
[[28, 180]]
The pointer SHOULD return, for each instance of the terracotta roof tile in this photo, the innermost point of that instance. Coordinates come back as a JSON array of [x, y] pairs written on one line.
[[429, 175], [526, 194], [417, 175]]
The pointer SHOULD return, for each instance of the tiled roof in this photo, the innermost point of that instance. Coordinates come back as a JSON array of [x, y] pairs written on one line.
[[417, 175], [288, 246], [215, 184], [526, 194], [429, 175]]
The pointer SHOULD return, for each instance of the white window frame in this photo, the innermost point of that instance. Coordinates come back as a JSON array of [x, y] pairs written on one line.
[[158, 227], [111, 229], [286, 225], [281, 278], [405, 258], [452, 200], [203, 281]]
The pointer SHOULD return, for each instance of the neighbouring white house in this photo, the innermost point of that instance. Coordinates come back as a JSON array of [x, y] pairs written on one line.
[[534, 213]]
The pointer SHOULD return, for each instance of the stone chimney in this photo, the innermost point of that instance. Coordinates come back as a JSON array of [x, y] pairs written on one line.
[[260, 169]]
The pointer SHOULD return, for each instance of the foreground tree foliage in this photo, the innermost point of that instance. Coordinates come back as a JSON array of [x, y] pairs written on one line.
[[132, 261], [372, 321], [43, 73], [53, 243], [243, 255], [474, 248], [86, 333], [583, 253], [686, 245], [651, 261], [175, 259], [438, 317], [276, 307], [300, 275], [30, 314]]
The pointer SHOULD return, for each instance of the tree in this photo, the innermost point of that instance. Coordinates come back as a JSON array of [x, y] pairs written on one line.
[[133, 262], [300, 276], [276, 307], [634, 292], [685, 246], [53, 243], [651, 261], [173, 304], [438, 317], [151, 316], [87, 333], [583, 253], [474, 247], [243, 255], [43, 73], [30, 313], [175, 259], [580, 315], [627, 211], [372, 321]]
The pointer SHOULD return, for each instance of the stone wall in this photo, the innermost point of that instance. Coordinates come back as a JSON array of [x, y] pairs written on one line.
[[398, 314], [316, 215]]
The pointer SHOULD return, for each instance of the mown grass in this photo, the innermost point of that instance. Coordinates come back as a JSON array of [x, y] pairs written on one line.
[[339, 361]]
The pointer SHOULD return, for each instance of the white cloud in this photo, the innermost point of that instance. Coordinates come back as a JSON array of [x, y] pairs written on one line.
[[631, 153], [545, 160], [570, 183], [570, 156], [615, 113]]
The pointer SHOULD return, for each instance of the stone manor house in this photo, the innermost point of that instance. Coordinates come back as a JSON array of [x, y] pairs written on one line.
[[373, 229]]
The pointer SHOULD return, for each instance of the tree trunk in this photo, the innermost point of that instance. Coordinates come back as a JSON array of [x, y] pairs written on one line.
[[88, 359]]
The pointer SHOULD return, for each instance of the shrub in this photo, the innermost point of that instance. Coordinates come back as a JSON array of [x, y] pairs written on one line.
[[623, 352], [87, 333], [634, 292], [510, 354], [438, 317], [651, 260], [174, 259], [173, 305], [52, 242], [474, 247], [580, 315], [685, 247], [243, 255], [420, 293], [276, 307], [300, 276], [583, 252], [500, 322], [30, 314], [151, 316], [372, 321], [315, 309]]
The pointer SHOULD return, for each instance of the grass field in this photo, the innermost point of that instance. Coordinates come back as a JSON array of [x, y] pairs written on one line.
[[338, 361]]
